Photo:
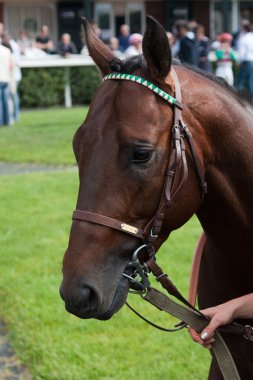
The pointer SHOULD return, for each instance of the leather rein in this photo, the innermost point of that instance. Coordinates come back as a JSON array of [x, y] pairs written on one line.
[[176, 176]]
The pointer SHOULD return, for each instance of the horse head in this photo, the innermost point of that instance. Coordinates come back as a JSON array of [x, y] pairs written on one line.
[[123, 151]]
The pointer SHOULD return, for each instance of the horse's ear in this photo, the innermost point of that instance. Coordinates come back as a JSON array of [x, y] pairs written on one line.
[[99, 52], [156, 50]]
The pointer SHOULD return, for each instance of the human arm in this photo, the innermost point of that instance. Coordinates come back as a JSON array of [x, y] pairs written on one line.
[[241, 307]]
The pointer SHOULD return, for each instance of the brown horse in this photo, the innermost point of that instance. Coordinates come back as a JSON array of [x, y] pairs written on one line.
[[122, 150]]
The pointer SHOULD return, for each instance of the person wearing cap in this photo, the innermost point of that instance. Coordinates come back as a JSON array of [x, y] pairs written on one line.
[[225, 56], [245, 49], [135, 48]]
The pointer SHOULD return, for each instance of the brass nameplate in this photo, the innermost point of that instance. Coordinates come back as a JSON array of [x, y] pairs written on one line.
[[128, 228]]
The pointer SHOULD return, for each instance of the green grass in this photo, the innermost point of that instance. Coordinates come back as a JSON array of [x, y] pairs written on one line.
[[42, 136], [35, 217]]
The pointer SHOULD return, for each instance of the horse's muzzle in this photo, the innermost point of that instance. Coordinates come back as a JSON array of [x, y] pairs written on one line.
[[83, 302], [87, 302]]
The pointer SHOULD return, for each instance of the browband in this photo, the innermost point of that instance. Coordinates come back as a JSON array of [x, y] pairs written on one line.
[[144, 82]]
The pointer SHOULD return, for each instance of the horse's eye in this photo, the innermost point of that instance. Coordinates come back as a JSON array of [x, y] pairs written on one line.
[[142, 155]]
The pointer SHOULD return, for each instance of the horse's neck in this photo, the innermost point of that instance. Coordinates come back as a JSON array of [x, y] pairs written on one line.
[[229, 202]]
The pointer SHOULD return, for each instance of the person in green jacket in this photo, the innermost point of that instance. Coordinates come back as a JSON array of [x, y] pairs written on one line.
[[225, 56]]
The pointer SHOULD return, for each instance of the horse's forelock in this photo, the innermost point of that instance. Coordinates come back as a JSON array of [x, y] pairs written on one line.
[[129, 65]]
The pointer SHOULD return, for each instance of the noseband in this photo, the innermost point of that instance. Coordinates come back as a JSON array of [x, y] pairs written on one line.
[[173, 181]]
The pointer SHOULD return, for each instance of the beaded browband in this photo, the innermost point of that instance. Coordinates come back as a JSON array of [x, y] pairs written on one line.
[[144, 82]]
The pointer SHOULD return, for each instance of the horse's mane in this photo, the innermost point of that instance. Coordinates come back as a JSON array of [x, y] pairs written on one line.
[[241, 95], [138, 62]]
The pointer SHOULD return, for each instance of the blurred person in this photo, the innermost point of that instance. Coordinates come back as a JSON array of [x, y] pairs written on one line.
[[6, 67], [188, 50], [174, 44], [204, 48], [34, 52], [135, 45], [16, 74], [66, 47], [114, 46], [23, 42], [44, 42], [216, 43], [237, 35], [192, 26], [84, 51], [97, 31], [94, 26], [245, 49], [171, 38], [225, 56], [1, 31], [123, 37]]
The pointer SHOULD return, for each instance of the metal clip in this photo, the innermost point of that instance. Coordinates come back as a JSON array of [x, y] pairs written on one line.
[[139, 277], [248, 332], [153, 234]]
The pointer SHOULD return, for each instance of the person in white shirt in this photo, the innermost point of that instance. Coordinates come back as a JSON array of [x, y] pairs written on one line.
[[245, 49], [16, 57], [6, 66]]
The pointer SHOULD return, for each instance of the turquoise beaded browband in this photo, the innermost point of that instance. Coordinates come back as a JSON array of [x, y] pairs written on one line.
[[134, 78]]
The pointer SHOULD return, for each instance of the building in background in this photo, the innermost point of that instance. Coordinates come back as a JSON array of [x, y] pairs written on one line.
[[63, 16]]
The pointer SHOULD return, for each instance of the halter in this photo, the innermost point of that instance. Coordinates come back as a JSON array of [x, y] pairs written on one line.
[[173, 182]]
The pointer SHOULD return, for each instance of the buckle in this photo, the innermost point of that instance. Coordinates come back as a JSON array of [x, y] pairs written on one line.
[[153, 234], [248, 332]]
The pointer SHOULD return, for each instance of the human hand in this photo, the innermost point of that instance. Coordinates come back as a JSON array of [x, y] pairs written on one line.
[[220, 315]]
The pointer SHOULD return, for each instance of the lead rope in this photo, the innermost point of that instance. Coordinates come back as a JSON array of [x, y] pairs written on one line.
[[219, 348]]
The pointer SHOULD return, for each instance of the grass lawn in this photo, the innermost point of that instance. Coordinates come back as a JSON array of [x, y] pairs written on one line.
[[35, 217], [42, 136]]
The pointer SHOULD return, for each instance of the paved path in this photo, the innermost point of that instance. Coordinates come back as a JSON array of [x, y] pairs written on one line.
[[19, 168], [10, 367]]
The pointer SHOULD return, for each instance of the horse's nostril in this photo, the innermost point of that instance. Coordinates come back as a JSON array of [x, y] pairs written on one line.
[[89, 297], [83, 298], [85, 293]]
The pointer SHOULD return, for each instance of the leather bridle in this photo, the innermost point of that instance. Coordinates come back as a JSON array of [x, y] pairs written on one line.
[[174, 180], [176, 176]]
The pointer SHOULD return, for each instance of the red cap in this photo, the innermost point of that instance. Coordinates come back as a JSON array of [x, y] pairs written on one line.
[[225, 37]]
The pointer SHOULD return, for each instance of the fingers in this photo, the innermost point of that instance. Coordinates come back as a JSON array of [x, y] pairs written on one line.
[[208, 332], [207, 343], [194, 335]]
